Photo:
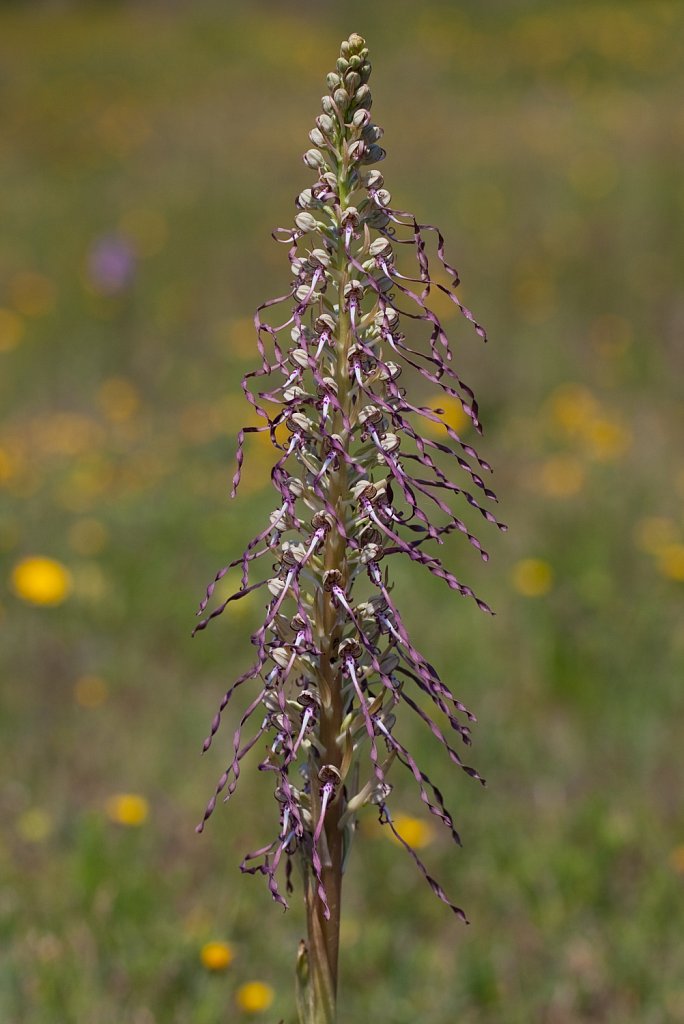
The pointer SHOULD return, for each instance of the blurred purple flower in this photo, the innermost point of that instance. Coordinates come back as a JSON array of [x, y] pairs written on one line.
[[111, 264]]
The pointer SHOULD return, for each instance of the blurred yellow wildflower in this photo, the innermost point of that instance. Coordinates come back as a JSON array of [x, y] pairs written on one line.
[[677, 859], [671, 561], [606, 438], [254, 996], [32, 293], [417, 832], [118, 399], [562, 476], [7, 465], [532, 577], [35, 825], [66, 433], [653, 533], [216, 956], [90, 691], [128, 809], [570, 406], [84, 483], [575, 413], [42, 581], [11, 330], [454, 416]]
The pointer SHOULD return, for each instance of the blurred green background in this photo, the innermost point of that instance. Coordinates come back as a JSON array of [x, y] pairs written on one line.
[[147, 151]]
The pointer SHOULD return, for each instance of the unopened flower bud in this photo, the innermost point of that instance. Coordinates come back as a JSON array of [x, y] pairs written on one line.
[[305, 199], [341, 97], [295, 486], [317, 137], [327, 105], [325, 123], [356, 150], [299, 357], [389, 314], [278, 519], [352, 80], [333, 80], [371, 553], [301, 421], [380, 247], [293, 393], [364, 490], [304, 294], [372, 133], [355, 289], [374, 154], [389, 442], [306, 221], [281, 656], [370, 414], [390, 371], [342, 65], [313, 158], [276, 586], [324, 323], [378, 219], [374, 179], [363, 97], [319, 258], [360, 118], [356, 42]]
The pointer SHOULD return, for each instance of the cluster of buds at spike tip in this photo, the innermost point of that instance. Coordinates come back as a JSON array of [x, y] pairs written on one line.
[[358, 484]]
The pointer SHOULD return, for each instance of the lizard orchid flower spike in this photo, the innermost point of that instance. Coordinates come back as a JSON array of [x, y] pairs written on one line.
[[357, 485]]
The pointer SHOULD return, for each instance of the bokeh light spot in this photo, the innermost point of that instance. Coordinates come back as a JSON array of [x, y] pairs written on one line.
[[217, 956], [41, 581], [90, 691], [254, 996], [129, 809], [532, 577], [11, 330]]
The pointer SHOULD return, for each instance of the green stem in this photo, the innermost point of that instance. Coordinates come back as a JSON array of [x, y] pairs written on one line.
[[317, 970]]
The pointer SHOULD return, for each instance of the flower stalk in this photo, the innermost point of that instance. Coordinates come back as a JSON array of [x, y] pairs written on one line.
[[358, 484]]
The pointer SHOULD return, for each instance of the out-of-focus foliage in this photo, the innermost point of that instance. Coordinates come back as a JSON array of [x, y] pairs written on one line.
[[147, 151]]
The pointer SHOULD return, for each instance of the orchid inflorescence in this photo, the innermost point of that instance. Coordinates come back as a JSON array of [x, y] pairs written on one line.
[[357, 484]]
